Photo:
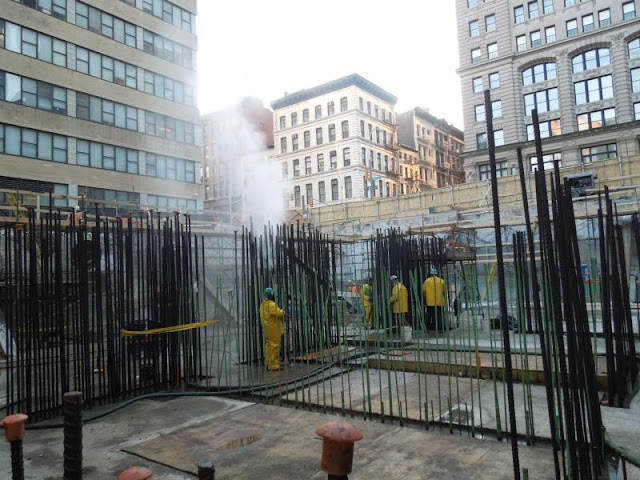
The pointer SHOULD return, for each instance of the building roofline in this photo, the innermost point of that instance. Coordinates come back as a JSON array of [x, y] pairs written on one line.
[[339, 84], [441, 123]]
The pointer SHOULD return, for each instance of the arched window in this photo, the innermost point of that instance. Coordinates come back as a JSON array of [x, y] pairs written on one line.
[[598, 57], [539, 73], [634, 48]]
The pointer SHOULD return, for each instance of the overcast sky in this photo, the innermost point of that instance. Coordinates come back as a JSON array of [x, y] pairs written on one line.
[[265, 48]]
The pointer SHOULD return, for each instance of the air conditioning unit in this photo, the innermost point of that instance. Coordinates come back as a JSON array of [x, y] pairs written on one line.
[[580, 182]]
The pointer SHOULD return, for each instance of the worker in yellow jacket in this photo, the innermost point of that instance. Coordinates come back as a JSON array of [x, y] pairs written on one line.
[[367, 299], [399, 301], [271, 318], [434, 290]]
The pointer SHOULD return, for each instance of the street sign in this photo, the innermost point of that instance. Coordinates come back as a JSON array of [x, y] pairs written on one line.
[[375, 178]]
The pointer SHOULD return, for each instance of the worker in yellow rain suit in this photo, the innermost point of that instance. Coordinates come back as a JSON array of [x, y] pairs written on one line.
[[434, 290], [399, 302], [367, 294], [271, 318]]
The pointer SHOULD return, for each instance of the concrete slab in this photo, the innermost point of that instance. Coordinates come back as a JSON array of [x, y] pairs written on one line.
[[262, 441]]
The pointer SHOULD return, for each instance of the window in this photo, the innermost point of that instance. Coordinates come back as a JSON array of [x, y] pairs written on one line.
[[498, 137], [296, 196], [481, 140], [484, 170], [598, 57], [599, 152], [296, 167], [307, 139], [320, 162], [494, 80], [572, 28], [496, 108], [550, 34], [550, 128], [330, 109], [543, 101], [597, 119], [334, 189], [476, 53], [343, 104], [474, 28], [346, 156], [333, 159], [547, 6], [587, 23], [285, 169], [490, 23], [569, 3], [594, 89], [294, 119], [319, 136], [33, 144], [102, 23], [539, 73], [628, 10], [332, 133], [345, 129], [521, 43], [283, 122], [294, 142], [305, 115], [307, 166], [536, 39], [283, 145], [604, 18], [322, 194], [58, 8], [480, 114], [534, 12], [636, 112], [477, 82], [347, 187], [309, 193], [635, 80], [547, 161], [518, 14], [492, 50], [472, 3], [634, 49], [318, 112]]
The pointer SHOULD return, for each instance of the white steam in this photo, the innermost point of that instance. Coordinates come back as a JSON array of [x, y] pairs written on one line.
[[252, 178]]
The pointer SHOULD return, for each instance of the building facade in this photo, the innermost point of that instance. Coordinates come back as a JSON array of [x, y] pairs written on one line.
[[438, 145], [336, 142], [576, 62], [235, 141], [99, 99]]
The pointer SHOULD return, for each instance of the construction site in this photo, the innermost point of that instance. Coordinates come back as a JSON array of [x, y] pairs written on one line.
[[132, 337]]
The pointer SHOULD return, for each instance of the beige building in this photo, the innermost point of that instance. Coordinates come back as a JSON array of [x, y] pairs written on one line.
[[98, 99], [438, 147], [576, 62], [336, 142]]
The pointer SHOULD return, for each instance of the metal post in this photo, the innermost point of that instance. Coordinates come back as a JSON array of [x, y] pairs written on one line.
[[206, 471], [72, 411]]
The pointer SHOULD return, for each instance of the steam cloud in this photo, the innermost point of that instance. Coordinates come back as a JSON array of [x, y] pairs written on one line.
[[250, 173]]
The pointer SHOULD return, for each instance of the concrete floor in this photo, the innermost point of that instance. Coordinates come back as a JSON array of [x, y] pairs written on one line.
[[251, 441]]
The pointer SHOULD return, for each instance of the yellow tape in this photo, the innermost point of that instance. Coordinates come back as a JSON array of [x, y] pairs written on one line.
[[173, 328]]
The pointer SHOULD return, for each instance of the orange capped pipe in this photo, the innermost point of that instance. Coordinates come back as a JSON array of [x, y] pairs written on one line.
[[14, 426], [135, 473], [338, 440]]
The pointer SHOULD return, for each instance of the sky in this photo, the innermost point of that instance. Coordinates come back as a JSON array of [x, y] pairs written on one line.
[[265, 48]]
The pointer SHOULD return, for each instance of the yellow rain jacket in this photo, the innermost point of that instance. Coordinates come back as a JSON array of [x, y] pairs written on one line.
[[399, 299], [271, 318], [434, 289]]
